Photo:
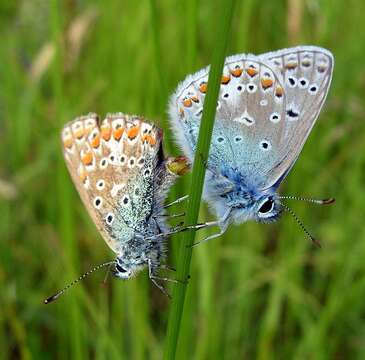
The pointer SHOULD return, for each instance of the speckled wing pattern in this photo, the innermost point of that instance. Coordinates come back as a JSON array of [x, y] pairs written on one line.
[[113, 166], [306, 73], [266, 108]]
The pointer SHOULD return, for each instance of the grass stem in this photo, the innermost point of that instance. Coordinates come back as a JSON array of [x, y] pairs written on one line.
[[198, 174]]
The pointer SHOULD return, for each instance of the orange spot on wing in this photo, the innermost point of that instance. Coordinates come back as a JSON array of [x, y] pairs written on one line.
[[87, 158], [251, 71], [225, 79], [150, 139], [133, 132], [279, 91], [306, 63], [68, 142], [95, 142], [106, 132], [291, 65], [79, 133], [203, 87], [118, 133], [187, 102], [83, 176], [237, 72], [266, 83]]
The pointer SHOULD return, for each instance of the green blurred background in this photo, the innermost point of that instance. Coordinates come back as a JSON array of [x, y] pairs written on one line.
[[261, 291]]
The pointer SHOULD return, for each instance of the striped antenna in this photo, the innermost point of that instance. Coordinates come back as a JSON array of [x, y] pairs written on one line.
[[300, 223], [314, 201], [82, 277]]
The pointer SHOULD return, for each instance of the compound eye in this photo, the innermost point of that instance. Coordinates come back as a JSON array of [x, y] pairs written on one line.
[[120, 269], [267, 206]]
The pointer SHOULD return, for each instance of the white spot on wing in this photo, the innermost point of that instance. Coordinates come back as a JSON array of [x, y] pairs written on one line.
[[98, 202], [275, 117], [116, 188], [265, 145], [251, 88], [109, 218], [263, 102], [100, 184], [245, 119]]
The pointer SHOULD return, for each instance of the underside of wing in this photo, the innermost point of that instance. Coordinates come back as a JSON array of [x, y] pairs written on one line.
[[306, 73], [112, 165], [249, 120], [266, 108]]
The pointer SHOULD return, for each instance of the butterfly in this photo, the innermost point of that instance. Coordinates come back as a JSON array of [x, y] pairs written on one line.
[[122, 177], [266, 108]]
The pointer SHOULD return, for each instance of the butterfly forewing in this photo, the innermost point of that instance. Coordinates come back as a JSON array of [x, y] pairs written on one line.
[[266, 108], [306, 73], [251, 107], [113, 166]]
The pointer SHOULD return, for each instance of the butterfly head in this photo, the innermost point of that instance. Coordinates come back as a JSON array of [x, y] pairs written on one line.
[[125, 267], [122, 270], [140, 253]]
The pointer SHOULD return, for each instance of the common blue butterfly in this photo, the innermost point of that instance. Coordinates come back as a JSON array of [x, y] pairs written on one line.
[[123, 178], [266, 109]]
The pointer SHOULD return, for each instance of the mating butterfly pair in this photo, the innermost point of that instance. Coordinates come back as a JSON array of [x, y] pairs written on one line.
[[267, 106]]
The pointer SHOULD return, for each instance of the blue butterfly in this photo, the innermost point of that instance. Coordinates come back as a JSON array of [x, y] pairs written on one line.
[[266, 109]]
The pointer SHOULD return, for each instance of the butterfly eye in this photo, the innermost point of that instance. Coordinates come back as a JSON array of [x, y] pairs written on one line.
[[120, 269], [267, 206]]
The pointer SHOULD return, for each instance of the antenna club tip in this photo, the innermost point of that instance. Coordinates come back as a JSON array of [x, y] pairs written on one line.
[[328, 201], [317, 243]]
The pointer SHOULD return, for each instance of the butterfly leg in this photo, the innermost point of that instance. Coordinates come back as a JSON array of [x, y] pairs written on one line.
[[172, 216], [222, 223], [213, 236], [177, 201], [167, 267], [162, 289], [152, 274], [107, 275]]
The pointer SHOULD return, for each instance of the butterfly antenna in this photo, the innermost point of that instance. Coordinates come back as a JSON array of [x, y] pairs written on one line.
[[82, 277], [314, 201], [300, 223]]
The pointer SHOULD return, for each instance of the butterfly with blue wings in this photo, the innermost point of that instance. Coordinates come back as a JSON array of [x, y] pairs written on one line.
[[267, 106]]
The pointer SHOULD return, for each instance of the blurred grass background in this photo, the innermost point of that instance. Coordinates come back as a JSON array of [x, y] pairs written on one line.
[[261, 291]]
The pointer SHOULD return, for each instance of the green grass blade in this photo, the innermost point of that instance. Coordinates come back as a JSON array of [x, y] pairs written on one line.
[[198, 173]]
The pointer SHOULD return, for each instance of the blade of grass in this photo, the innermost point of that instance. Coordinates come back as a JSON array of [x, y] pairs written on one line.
[[198, 174]]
